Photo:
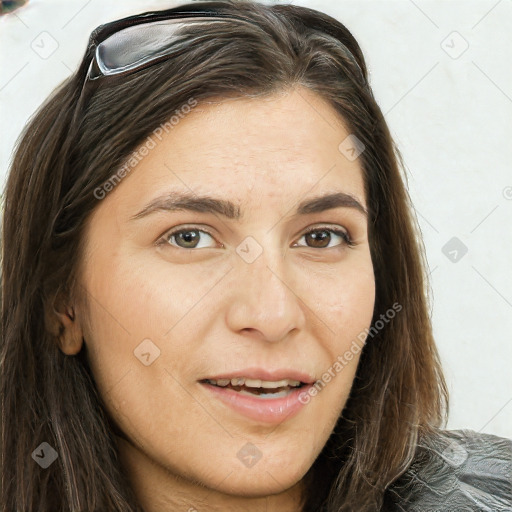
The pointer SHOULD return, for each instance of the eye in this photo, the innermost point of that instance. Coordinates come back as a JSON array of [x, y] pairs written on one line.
[[319, 237], [185, 238], [189, 238]]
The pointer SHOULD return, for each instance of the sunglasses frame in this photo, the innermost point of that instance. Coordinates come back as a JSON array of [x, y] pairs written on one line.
[[94, 76], [203, 10]]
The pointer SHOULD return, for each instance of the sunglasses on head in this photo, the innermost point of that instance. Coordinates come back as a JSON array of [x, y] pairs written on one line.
[[125, 46]]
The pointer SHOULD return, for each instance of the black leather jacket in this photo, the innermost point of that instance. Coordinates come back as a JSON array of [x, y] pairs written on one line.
[[456, 471]]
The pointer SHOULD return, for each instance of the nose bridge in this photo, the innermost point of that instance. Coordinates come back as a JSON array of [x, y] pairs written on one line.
[[265, 299]]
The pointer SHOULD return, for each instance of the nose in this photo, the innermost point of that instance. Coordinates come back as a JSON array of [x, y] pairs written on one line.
[[265, 301]]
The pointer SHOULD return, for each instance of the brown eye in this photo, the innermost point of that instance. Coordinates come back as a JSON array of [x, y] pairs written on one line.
[[320, 238], [185, 238]]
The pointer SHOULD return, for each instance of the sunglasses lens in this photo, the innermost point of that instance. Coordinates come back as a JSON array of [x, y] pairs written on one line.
[[138, 45]]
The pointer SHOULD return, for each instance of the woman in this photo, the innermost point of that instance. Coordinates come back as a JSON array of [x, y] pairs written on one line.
[[213, 296]]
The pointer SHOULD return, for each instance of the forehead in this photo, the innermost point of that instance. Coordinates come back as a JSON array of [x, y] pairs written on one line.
[[266, 147]]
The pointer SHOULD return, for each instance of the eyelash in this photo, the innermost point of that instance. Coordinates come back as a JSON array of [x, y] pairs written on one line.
[[164, 240]]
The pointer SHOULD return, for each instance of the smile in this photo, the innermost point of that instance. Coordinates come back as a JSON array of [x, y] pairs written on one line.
[[261, 401], [267, 389]]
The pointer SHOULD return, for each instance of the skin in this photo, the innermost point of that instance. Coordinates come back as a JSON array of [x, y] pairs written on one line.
[[208, 311]]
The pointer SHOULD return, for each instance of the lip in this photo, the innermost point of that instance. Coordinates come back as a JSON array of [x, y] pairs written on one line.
[[269, 410], [264, 374]]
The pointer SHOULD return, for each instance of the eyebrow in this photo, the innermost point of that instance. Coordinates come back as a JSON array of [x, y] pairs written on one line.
[[176, 201]]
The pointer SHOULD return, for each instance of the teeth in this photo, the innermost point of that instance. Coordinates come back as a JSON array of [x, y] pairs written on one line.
[[267, 396], [255, 383]]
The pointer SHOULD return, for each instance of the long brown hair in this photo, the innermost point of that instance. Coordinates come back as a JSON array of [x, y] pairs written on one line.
[[399, 393]]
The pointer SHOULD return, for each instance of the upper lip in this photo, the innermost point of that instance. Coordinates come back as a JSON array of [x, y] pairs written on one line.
[[265, 374]]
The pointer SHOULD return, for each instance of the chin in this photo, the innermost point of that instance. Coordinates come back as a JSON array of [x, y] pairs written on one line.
[[260, 480], [256, 486]]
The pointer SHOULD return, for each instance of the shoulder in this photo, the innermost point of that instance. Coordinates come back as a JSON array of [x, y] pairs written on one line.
[[456, 471]]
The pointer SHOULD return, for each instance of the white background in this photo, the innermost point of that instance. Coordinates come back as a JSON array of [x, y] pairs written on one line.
[[450, 112]]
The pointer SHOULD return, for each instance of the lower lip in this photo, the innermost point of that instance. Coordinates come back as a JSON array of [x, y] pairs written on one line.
[[269, 410]]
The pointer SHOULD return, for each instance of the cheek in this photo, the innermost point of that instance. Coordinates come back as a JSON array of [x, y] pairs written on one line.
[[357, 300], [345, 305], [140, 310], [346, 300]]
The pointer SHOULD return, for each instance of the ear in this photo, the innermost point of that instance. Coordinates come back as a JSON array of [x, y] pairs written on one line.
[[70, 335]]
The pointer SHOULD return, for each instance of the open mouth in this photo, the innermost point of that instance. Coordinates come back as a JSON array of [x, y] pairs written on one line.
[[253, 387], [264, 401]]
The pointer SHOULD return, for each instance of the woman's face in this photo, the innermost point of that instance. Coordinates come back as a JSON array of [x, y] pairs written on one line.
[[233, 296]]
